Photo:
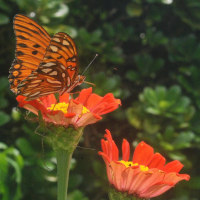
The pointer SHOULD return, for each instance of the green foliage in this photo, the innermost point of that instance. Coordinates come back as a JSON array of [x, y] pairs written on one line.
[[148, 56], [76, 195], [146, 68], [11, 164], [165, 115]]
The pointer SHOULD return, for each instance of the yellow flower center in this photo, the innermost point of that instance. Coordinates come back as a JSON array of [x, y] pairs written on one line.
[[129, 164], [64, 106]]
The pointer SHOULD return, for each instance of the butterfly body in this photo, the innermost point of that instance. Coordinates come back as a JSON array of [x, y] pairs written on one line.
[[43, 65]]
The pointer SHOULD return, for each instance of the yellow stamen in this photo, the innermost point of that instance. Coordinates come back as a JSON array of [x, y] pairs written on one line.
[[129, 164], [64, 106]]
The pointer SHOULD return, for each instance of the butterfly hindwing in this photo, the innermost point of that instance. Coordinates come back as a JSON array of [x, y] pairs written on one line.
[[63, 49], [31, 44], [56, 72]]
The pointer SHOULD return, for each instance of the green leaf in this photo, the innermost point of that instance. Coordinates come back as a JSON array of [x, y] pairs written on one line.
[[161, 93], [15, 114], [177, 156], [167, 146], [25, 147], [181, 105], [132, 75], [134, 9], [169, 133], [133, 118], [173, 93], [62, 11], [5, 7], [76, 195], [183, 140], [150, 96], [3, 167], [153, 111], [150, 127], [4, 118], [3, 102], [17, 169], [4, 84], [4, 19], [3, 146]]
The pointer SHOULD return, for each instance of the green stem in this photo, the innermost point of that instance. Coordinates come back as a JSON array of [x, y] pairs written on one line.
[[63, 166]]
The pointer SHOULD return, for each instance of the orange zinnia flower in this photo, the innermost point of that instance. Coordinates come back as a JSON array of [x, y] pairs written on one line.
[[81, 111], [146, 176]]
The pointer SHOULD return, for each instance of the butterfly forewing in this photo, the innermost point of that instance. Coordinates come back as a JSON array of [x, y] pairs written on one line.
[[31, 44], [57, 71]]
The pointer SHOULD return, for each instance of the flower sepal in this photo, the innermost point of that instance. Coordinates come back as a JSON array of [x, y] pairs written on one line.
[[117, 195], [65, 138]]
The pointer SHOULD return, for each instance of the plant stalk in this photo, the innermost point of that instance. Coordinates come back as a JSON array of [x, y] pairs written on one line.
[[63, 167]]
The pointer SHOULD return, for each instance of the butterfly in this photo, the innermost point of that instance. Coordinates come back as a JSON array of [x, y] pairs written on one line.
[[42, 65]]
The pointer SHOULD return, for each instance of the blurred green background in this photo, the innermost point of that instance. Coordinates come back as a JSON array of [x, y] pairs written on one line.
[[155, 47]]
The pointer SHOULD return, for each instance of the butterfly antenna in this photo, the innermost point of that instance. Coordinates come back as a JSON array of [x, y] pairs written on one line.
[[90, 63]]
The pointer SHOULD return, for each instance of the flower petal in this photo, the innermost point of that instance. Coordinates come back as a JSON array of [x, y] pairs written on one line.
[[175, 177], [125, 150], [156, 190], [117, 169], [64, 98], [143, 154], [157, 177], [92, 101], [56, 118], [158, 161], [48, 100], [128, 176], [83, 96], [88, 118], [32, 106], [174, 166], [113, 152], [138, 181], [108, 169]]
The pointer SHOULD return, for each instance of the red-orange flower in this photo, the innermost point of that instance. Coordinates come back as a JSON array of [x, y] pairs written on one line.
[[81, 111], [146, 176]]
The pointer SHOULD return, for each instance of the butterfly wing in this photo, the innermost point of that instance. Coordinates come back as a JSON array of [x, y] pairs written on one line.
[[31, 44], [57, 71]]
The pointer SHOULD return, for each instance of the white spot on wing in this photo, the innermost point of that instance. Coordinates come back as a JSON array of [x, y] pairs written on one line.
[[56, 39], [54, 82], [63, 67], [54, 48], [26, 94], [54, 73], [63, 75], [36, 93], [33, 85], [65, 42], [68, 81], [49, 64], [46, 70]]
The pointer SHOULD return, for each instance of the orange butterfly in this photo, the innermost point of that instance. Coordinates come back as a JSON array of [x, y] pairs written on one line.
[[43, 65]]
